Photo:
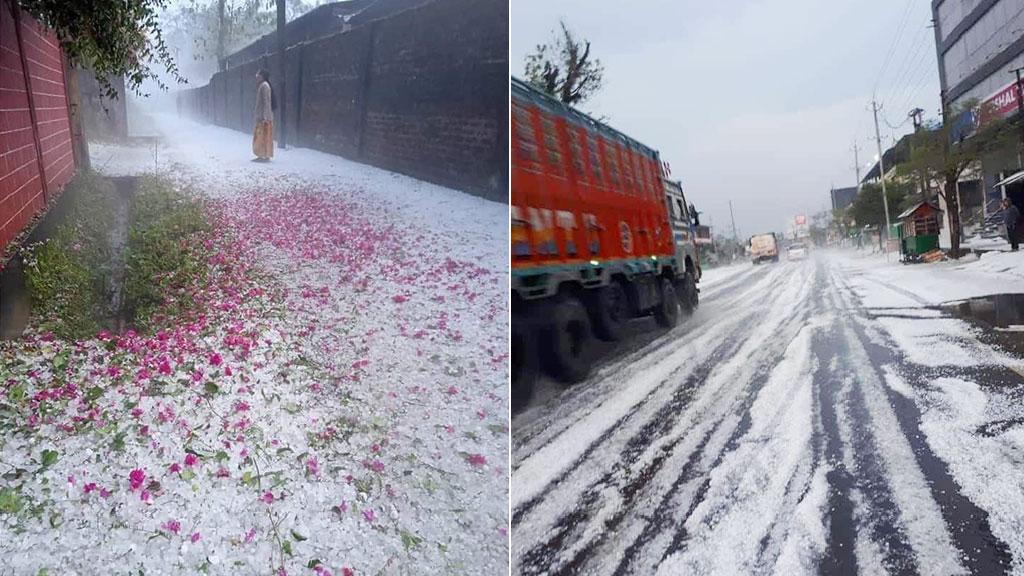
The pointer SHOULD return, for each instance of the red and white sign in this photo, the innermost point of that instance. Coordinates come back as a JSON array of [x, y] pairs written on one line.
[[1000, 105], [801, 220]]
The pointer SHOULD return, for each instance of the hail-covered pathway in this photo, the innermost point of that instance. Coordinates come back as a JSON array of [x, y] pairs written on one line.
[[339, 407]]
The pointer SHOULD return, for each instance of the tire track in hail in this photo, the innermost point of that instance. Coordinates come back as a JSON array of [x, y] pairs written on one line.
[[575, 403], [540, 555], [680, 535]]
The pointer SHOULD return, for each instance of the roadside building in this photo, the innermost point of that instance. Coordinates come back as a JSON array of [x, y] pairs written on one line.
[[979, 44], [843, 197]]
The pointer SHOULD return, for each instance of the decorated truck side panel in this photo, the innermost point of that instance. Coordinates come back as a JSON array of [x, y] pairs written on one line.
[[581, 193], [596, 238]]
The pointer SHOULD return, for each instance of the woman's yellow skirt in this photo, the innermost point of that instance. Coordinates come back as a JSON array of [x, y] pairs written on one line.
[[263, 140]]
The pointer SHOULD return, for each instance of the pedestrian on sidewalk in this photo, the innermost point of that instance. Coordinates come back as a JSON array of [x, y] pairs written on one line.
[[263, 115], [1011, 218]]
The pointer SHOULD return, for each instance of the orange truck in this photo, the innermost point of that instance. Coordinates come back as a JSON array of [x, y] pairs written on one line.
[[599, 236]]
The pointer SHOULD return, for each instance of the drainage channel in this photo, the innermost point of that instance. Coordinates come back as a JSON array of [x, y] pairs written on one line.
[[15, 299]]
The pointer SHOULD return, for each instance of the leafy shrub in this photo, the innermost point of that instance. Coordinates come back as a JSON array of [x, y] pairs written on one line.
[[69, 276], [163, 258]]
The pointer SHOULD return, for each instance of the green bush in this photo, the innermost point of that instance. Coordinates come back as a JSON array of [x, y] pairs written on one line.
[[69, 276], [162, 260]]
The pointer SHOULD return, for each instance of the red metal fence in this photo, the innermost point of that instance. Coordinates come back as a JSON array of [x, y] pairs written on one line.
[[36, 158]]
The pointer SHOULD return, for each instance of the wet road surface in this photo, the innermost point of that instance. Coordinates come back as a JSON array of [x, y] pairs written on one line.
[[785, 428]]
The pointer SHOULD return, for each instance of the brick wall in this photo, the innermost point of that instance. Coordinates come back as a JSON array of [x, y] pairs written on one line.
[[36, 160], [423, 92]]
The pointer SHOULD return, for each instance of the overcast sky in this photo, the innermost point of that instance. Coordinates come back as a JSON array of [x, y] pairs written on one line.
[[754, 101]]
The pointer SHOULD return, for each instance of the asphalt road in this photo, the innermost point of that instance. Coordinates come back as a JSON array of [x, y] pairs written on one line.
[[784, 428]]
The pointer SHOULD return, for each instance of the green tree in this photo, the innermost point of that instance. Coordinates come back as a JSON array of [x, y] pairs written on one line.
[[942, 156], [210, 30], [868, 209], [110, 37], [564, 68]]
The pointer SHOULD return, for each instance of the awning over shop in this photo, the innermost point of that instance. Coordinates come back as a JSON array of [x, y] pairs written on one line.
[[1011, 179]]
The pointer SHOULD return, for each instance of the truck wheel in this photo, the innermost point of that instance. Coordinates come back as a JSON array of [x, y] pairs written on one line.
[[609, 311], [688, 295], [524, 368], [667, 311], [565, 341]]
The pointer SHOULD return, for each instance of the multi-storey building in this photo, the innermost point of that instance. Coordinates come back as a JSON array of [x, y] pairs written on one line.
[[980, 43]]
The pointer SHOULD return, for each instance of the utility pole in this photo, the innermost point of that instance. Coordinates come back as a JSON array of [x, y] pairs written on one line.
[[735, 236], [881, 174], [1020, 116], [856, 163], [281, 83], [916, 117]]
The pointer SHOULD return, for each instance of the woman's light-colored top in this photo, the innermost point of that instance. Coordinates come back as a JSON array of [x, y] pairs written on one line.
[[263, 111]]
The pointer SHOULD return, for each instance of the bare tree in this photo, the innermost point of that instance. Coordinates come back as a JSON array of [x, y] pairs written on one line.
[[564, 68]]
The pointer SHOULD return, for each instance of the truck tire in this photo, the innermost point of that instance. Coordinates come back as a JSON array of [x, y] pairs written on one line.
[[609, 312], [666, 313], [565, 340], [523, 368], [688, 294]]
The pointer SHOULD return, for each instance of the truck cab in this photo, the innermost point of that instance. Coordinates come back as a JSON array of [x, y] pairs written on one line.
[[683, 221]]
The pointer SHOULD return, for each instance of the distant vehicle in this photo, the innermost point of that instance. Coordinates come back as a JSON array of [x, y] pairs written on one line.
[[599, 236], [764, 247], [796, 251]]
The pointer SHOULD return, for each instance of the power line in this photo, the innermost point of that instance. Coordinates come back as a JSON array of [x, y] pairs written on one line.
[[895, 41], [917, 86], [913, 78], [912, 56]]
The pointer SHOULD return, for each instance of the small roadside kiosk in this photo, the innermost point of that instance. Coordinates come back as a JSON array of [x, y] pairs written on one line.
[[919, 231]]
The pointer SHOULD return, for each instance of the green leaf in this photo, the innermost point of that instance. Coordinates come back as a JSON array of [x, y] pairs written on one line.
[[10, 501], [291, 408], [287, 547], [429, 485], [118, 443], [60, 361], [248, 479], [187, 475], [410, 541], [498, 429], [17, 393], [313, 563], [221, 456], [93, 394], [298, 537], [49, 458], [211, 388]]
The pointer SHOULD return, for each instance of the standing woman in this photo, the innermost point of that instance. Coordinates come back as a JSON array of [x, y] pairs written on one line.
[[263, 114]]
